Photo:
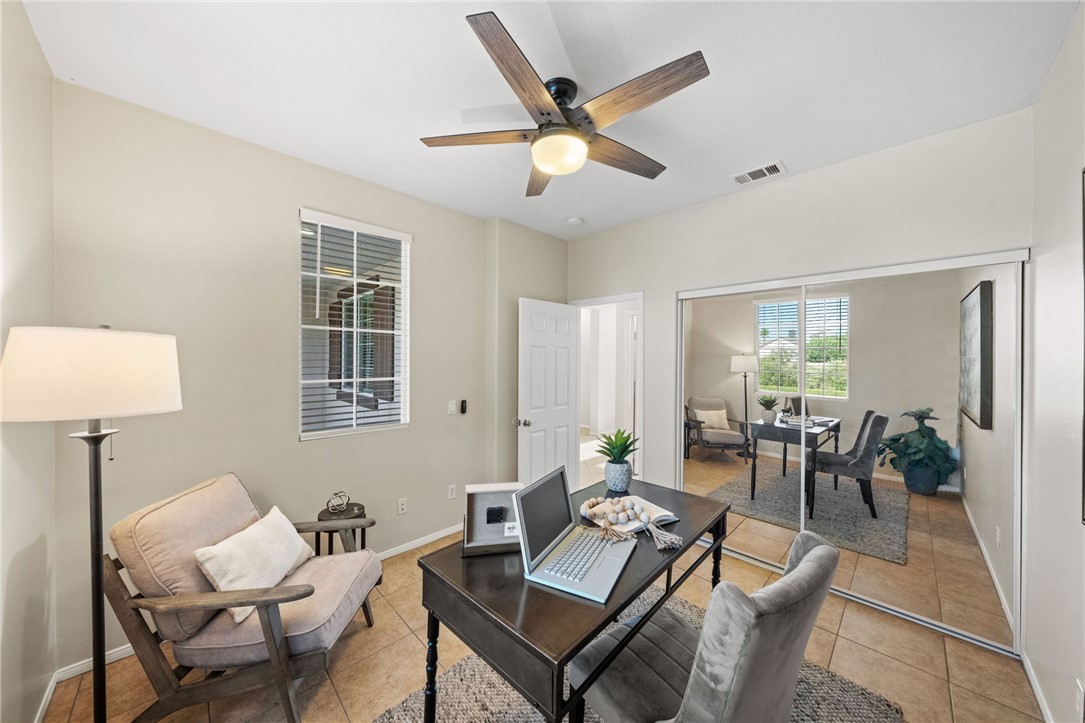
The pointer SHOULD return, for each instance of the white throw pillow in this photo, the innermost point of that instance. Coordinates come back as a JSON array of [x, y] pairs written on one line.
[[713, 419], [259, 556]]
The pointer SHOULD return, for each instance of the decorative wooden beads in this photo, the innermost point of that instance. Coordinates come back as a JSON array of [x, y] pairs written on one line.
[[614, 511]]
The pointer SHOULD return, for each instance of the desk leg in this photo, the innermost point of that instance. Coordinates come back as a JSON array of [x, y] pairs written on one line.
[[577, 716], [753, 470], [836, 448], [433, 629], [717, 533]]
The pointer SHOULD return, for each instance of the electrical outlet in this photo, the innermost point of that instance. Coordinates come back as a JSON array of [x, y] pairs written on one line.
[[402, 506], [452, 406], [452, 492], [1079, 704], [998, 537]]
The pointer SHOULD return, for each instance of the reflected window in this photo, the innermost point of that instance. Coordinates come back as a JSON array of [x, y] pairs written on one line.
[[826, 337]]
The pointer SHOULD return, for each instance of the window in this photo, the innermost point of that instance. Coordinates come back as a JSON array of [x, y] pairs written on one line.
[[826, 326], [354, 326]]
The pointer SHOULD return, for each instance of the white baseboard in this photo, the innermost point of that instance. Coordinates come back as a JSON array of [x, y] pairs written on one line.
[[987, 560], [1031, 675], [124, 651]]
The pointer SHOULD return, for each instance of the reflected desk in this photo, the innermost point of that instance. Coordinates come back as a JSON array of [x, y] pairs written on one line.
[[824, 429], [529, 633]]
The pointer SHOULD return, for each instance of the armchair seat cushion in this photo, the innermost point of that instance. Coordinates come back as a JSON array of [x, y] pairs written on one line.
[[647, 680], [720, 436], [342, 583]]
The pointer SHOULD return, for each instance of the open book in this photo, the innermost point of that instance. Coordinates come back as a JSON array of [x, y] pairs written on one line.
[[657, 514]]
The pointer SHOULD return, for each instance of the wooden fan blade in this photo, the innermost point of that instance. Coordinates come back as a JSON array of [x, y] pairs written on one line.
[[537, 183], [612, 153], [481, 139], [603, 110], [514, 66]]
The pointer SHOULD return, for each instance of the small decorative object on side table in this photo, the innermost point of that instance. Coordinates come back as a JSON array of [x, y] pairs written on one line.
[[339, 507]]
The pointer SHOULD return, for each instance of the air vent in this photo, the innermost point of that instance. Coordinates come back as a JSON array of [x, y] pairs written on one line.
[[759, 174]]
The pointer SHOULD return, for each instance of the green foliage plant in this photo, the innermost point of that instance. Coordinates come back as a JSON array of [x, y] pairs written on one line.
[[768, 401], [618, 446], [919, 448]]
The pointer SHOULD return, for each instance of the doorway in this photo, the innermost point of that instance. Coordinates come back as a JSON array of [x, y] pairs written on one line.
[[611, 377]]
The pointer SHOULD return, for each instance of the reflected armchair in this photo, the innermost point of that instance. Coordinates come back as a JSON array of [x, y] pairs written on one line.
[[709, 421]]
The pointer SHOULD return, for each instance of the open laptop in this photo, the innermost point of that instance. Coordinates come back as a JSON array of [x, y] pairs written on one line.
[[558, 552]]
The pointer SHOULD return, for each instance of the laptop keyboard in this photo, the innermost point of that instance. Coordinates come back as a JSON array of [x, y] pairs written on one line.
[[574, 560]]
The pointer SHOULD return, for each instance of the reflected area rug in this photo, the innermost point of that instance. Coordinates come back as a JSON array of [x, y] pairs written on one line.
[[471, 692], [840, 516]]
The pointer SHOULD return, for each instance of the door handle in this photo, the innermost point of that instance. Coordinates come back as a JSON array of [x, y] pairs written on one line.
[[516, 421], [527, 422], [521, 422]]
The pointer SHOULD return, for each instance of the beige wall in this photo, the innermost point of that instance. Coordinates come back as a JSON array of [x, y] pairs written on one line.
[[879, 209], [28, 637], [988, 455], [1054, 563], [519, 263], [165, 226], [902, 351]]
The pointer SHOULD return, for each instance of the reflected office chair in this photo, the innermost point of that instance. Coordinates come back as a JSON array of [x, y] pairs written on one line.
[[857, 462]]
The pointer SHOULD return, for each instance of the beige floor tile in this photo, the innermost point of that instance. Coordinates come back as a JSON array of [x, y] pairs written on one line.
[[127, 687], [317, 704], [407, 603], [757, 546], [371, 686], [990, 674], [949, 546], [985, 625], [832, 610], [920, 550], [921, 696], [254, 704], [914, 590], [60, 705], [749, 578], [399, 572], [453, 539], [359, 641], [969, 707], [696, 590], [968, 590], [845, 568], [774, 532], [819, 649], [191, 714], [899, 639]]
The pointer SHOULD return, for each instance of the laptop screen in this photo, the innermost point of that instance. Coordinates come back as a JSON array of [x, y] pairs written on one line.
[[546, 513]]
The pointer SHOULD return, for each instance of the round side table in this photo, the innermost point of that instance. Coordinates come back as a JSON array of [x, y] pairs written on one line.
[[353, 510]]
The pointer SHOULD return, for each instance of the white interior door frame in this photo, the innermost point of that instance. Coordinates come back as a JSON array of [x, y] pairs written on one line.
[[638, 379]]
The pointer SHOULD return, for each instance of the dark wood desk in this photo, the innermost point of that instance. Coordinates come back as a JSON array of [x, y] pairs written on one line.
[[816, 437], [529, 633]]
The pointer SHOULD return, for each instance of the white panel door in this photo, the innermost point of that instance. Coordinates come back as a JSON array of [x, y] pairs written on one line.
[[548, 435]]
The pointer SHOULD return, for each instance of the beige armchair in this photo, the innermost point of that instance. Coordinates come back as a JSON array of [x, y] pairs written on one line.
[[287, 638], [707, 431]]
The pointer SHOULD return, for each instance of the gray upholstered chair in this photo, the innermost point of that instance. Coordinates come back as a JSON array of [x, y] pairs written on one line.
[[287, 637], [741, 666], [709, 436], [857, 462]]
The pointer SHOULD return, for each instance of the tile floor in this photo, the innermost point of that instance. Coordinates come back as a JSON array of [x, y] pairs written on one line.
[[946, 578], [932, 677]]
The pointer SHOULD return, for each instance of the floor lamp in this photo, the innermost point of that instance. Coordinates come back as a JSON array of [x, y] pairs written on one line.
[[52, 374], [746, 364]]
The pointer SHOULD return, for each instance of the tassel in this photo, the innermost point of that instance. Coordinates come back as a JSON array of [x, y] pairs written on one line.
[[664, 540], [613, 534]]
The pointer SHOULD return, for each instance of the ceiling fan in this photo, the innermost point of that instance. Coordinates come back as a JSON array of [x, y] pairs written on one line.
[[566, 137]]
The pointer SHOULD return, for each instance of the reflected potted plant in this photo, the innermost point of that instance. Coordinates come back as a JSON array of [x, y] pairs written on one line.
[[768, 408], [924, 458], [616, 447]]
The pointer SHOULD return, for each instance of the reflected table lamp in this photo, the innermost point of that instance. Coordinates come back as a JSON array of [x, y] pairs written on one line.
[[53, 374], [746, 364]]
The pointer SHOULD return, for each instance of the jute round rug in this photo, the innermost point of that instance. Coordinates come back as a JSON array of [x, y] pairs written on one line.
[[471, 692], [840, 515]]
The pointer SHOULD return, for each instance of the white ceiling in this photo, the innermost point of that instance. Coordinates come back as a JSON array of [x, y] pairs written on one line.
[[353, 86]]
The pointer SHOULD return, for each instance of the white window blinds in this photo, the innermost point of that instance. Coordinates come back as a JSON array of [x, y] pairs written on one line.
[[826, 336], [355, 311]]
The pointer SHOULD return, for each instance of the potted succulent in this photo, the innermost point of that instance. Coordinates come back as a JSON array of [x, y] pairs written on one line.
[[616, 447], [924, 458], [768, 408]]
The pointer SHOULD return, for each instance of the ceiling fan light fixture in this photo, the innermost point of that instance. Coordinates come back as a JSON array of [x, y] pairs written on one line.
[[559, 151]]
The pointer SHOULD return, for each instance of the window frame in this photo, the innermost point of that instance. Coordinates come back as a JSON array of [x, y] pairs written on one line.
[[336, 351], [802, 340]]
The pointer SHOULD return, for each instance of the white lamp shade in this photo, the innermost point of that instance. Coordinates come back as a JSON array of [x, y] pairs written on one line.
[[744, 363], [55, 373]]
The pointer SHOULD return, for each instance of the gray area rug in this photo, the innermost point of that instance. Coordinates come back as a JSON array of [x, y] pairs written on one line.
[[472, 692], [840, 516]]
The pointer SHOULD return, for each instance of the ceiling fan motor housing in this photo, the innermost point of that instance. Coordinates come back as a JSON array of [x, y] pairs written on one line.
[[562, 90]]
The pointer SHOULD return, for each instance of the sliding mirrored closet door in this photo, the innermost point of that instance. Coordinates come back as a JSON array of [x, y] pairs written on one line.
[[901, 394]]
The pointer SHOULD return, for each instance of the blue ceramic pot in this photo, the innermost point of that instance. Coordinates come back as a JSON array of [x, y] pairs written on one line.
[[921, 480], [618, 475]]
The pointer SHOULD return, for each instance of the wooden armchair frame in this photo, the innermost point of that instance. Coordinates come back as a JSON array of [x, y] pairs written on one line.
[[282, 670]]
